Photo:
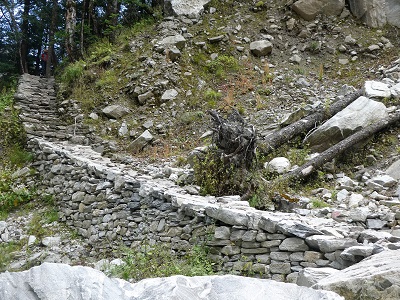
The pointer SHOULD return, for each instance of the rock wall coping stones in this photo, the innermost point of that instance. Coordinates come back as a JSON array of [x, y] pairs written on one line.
[[111, 204]]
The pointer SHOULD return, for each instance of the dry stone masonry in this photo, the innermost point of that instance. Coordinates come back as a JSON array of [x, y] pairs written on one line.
[[111, 204]]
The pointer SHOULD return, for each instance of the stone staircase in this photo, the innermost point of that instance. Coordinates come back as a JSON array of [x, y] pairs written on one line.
[[40, 114]]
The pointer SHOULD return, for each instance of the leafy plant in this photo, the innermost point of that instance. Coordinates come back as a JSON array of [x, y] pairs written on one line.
[[221, 65], [73, 72], [11, 197], [159, 261], [316, 203], [216, 177], [17, 156], [212, 97], [6, 98]]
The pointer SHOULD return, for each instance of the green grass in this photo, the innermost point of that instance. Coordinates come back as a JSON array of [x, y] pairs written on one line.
[[7, 254], [158, 261], [36, 225], [316, 203], [73, 72], [6, 98], [10, 197]]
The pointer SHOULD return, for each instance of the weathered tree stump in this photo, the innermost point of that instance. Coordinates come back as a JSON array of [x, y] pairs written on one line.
[[234, 138]]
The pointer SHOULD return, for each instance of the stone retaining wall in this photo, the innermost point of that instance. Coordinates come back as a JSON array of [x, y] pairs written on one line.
[[110, 204]]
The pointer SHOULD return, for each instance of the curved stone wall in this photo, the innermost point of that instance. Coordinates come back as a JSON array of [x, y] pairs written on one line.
[[110, 204]]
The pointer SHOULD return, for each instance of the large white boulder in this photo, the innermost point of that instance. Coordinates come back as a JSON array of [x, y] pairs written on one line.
[[60, 282], [309, 9], [190, 8], [359, 114], [376, 13]]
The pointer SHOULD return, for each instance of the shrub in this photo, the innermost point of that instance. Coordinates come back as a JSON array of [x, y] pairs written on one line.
[[73, 72], [216, 177], [11, 197], [221, 65]]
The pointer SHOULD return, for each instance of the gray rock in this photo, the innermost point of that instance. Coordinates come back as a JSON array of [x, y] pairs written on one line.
[[372, 236], [278, 165], [51, 241], [216, 39], [376, 277], [309, 9], [280, 268], [376, 13], [375, 224], [293, 244], [3, 226], [21, 172], [31, 240], [383, 180], [359, 114], [169, 95], [295, 59], [393, 12], [375, 89], [59, 281], [139, 143], [94, 116], [175, 40], [395, 91], [189, 8], [310, 276], [123, 130], [359, 214], [115, 111], [394, 170], [261, 48], [327, 244], [371, 12], [357, 253], [174, 53], [142, 98], [222, 233]]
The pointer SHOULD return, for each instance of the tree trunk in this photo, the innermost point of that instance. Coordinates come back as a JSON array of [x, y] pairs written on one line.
[[10, 9], [51, 57], [70, 25], [112, 19], [326, 156], [83, 26], [302, 126], [24, 34]]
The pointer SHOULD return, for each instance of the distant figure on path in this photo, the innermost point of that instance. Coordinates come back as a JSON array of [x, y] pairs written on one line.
[[45, 57]]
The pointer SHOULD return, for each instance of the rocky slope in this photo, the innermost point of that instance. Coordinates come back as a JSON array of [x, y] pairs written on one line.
[[191, 64]]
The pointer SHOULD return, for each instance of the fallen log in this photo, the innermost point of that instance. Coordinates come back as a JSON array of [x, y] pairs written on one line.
[[326, 156], [276, 139]]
